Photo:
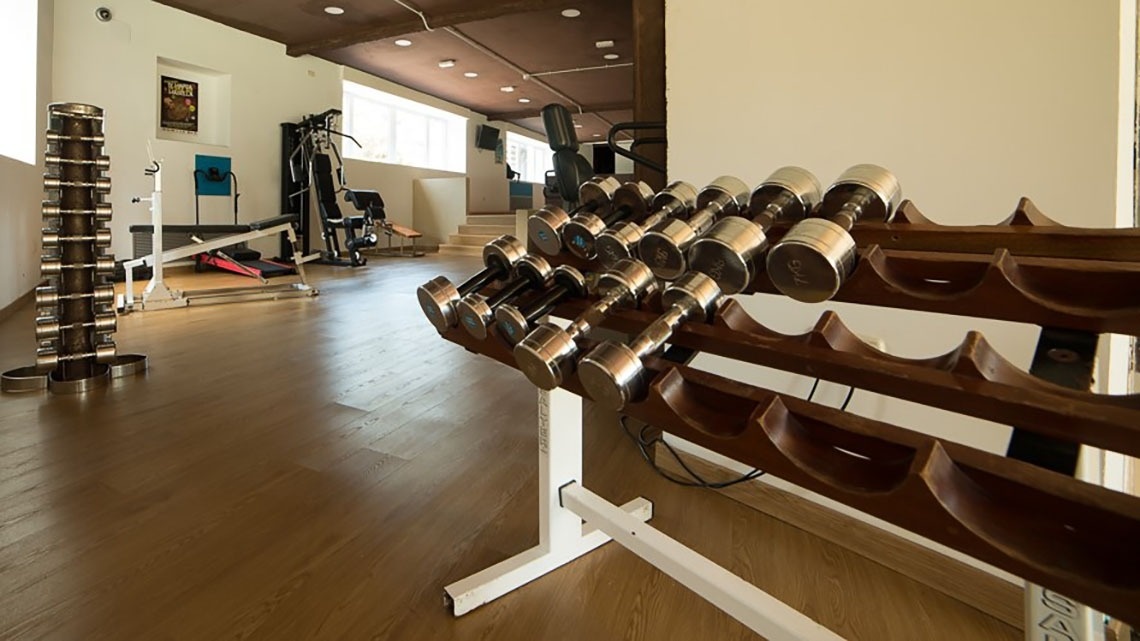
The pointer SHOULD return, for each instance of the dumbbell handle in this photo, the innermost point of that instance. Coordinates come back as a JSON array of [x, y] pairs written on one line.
[[618, 214], [595, 313], [772, 212], [545, 303], [512, 288], [480, 280], [704, 219], [661, 329], [852, 210], [587, 207]]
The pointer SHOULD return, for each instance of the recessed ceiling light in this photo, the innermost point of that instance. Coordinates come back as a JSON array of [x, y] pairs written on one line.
[[334, 11], [524, 100], [577, 126], [604, 44], [507, 89], [571, 13], [597, 135], [611, 56], [403, 42], [447, 64], [470, 74]]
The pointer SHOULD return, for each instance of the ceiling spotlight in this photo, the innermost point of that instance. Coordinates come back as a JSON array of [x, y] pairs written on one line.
[[577, 126], [571, 13], [611, 56], [597, 135], [447, 64], [604, 44], [524, 100], [402, 42], [334, 11], [507, 89], [470, 74]]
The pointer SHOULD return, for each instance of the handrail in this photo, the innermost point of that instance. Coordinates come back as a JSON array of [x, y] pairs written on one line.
[[620, 127]]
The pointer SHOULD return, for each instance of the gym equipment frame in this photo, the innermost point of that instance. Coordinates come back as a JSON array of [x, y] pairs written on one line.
[[158, 296], [1025, 513]]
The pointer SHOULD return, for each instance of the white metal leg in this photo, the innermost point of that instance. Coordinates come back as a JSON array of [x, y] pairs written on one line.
[[561, 534], [563, 537]]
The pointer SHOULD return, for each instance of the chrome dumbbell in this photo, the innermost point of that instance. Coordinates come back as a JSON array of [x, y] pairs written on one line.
[[677, 200], [477, 311], [439, 296], [729, 251], [53, 266], [50, 296], [102, 185], [811, 262], [613, 373], [53, 239], [547, 354], [515, 323], [49, 327], [48, 358], [664, 247], [630, 202], [101, 163], [544, 227], [56, 137], [54, 210]]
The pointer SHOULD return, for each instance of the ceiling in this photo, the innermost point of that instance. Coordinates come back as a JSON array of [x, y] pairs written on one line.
[[508, 43]]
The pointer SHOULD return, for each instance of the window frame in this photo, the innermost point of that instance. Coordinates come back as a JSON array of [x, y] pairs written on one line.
[[427, 152]]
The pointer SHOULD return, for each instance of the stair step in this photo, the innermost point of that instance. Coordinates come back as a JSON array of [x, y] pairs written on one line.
[[491, 219], [491, 213], [459, 250], [472, 240], [487, 230]]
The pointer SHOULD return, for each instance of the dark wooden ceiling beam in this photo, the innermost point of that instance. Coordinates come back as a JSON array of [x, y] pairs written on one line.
[[413, 24], [649, 82], [537, 111]]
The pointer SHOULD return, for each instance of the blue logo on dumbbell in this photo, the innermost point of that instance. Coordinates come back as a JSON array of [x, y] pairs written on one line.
[[542, 235], [579, 241], [511, 330], [470, 322]]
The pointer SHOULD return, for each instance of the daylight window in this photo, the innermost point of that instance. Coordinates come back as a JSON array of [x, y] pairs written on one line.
[[18, 31], [399, 131], [531, 158]]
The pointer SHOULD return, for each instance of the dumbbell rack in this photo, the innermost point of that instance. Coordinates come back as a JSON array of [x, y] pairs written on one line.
[[75, 314], [1069, 536]]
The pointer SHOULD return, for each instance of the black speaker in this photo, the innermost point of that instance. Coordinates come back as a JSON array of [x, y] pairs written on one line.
[[604, 162]]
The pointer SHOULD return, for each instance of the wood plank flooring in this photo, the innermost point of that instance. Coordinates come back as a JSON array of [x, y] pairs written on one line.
[[321, 468]]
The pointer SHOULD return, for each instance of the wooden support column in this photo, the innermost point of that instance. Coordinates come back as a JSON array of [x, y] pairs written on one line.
[[649, 81]]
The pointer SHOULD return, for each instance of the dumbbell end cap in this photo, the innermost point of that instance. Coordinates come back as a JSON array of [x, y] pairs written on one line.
[[812, 261], [722, 263], [580, 235], [474, 315], [612, 375], [437, 299], [543, 355], [664, 257], [544, 229], [511, 323], [611, 249]]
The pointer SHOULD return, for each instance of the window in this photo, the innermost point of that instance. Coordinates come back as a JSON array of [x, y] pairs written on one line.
[[399, 131], [531, 158], [18, 45]]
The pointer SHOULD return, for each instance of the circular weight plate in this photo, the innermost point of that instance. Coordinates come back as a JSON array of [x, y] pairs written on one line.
[[101, 377], [23, 379], [128, 365]]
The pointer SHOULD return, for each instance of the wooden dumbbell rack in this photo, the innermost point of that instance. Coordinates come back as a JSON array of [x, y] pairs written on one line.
[[1024, 513], [75, 315]]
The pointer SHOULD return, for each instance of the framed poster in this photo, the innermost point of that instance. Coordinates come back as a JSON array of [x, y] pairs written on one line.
[[179, 105]]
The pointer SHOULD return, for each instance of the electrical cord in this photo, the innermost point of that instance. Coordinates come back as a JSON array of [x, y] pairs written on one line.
[[696, 480]]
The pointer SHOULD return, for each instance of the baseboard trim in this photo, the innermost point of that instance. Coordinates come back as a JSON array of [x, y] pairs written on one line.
[[11, 308], [979, 589]]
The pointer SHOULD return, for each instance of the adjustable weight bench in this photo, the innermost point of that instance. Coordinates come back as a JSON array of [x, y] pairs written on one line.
[[370, 202]]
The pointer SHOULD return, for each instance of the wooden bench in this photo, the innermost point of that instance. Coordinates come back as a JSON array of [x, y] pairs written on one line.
[[403, 233]]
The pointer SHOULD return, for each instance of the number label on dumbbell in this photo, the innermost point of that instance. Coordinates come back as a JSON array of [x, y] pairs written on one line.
[[660, 257], [796, 268], [716, 270]]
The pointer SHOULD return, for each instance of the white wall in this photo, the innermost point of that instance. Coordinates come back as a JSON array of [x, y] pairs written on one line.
[[21, 188], [971, 103], [114, 65]]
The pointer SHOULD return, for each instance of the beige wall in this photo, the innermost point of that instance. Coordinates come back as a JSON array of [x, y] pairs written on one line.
[[972, 104], [21, 188]]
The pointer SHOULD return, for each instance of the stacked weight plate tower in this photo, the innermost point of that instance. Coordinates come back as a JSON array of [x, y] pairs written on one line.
[[75, 314], [857, 242]]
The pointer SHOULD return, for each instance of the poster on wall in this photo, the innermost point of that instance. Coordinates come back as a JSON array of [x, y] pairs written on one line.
[[179, 105]]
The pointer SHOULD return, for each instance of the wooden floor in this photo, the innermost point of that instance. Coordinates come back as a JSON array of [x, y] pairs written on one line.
[[321, 468]]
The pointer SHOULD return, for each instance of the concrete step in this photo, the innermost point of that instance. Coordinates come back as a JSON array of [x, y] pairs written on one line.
[[491, 219], [486, 230], [447, 249], [471, 240]]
